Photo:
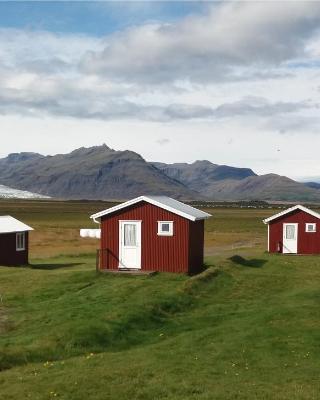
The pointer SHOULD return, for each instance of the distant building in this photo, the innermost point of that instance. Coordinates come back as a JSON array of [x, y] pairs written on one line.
[[151, 233], [294, 231], [14, 241]]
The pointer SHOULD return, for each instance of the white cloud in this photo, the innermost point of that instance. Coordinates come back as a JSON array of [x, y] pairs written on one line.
[[221, 86], [209, 47], [23, 48]]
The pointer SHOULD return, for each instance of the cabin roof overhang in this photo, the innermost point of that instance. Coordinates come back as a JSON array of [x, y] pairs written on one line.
[[9, 224], [167, 203], [290, 210]]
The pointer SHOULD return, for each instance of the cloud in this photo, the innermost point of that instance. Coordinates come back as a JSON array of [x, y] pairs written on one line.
[[25, 49], [186, 111], [260, 107], [240, 43], [296, 124], [68, 98], [208, 47]]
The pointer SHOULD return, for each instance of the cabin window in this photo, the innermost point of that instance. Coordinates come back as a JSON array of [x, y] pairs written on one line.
[[165, 228], [20, 241], [130, 234], [311, 227]]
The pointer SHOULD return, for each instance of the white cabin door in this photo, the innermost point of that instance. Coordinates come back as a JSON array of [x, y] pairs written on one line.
[[290, 238], [129, 244]]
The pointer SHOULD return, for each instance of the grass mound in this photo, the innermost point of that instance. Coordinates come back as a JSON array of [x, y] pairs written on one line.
[[82, 312], [232, 332]]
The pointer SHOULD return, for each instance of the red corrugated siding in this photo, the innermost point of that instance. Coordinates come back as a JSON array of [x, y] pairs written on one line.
[[8, 253], [196, 243], [160, 253], [308, 243]]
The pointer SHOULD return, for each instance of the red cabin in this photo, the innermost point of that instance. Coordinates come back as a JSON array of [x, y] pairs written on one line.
[[294, 231], [152, 233], [14, 241]]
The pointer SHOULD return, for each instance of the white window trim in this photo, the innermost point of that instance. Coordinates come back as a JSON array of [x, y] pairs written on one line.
[[161, 233], [22, 236], [314, 227]]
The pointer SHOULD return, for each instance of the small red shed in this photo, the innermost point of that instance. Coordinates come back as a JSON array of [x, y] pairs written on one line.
[[14, 241], [294, 231], [152, 233]]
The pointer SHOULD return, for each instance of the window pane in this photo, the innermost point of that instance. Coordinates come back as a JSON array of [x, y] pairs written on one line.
[[20, 241], [130, 236], [165, 227], [311, 227], [290, 231]]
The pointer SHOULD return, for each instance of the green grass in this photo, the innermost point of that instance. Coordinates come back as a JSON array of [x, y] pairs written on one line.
[[246, 328]]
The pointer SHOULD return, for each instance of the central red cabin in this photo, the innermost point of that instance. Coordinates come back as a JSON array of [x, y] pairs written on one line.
[[152, 233], [294, 231]]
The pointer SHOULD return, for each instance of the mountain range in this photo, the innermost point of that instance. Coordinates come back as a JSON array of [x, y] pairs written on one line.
[[89, 173], [100, 172]]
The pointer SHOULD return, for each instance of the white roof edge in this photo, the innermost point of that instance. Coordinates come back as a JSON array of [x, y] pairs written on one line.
[[154, 202], [289, 210], [10, 225]]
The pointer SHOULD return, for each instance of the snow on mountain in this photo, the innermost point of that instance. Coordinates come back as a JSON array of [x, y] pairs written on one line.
[[9, 193]]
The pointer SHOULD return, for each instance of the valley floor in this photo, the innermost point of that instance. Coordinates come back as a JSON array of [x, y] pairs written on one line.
[[247, 328]]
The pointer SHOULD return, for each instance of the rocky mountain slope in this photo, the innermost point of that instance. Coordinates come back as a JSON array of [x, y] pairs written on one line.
[[202, 174], [221, 182], [314, 185], [103, 173], [89, 173]]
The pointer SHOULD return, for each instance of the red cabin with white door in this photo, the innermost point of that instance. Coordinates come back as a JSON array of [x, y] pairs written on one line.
[[151, 233], [294, 231]]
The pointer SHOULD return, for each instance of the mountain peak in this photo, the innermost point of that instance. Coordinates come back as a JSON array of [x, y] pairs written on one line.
[[91, 150], [204, 163], [18, 157]]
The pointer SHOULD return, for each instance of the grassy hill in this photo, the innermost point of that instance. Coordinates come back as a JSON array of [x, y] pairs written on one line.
[[247, 328]]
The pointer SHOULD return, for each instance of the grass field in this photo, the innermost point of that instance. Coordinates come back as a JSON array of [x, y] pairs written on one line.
[[247, 328]]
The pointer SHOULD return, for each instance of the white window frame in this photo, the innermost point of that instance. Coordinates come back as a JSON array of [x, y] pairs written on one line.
[[20, 241], [165, 233], [314, 225]]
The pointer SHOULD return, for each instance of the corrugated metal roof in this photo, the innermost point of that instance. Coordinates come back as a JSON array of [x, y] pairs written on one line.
[[167, 203], [9, 224], [289, 210]]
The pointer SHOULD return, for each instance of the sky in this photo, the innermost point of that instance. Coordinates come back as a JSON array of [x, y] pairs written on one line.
[[232, 82]]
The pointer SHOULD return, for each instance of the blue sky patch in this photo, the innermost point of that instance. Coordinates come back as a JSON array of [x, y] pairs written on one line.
[[92, 18]]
